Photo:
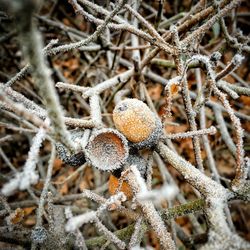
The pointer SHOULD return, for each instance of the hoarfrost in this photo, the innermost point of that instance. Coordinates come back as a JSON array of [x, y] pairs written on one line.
[[29, 175]]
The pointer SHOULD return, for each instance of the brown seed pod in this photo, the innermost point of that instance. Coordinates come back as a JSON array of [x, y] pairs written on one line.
[[114, 185], [115, 177], [107, 149], [137, 122]]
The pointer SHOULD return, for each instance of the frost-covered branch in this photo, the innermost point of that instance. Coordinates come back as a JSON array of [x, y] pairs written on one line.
[[32, 48], [29, 175], [138, 185]]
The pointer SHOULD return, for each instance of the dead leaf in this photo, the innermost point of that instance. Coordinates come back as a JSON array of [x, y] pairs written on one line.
[[17, 216]]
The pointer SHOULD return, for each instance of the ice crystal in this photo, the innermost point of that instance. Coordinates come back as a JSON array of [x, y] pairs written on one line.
[[77, 221], [28, 176], [39, 235]]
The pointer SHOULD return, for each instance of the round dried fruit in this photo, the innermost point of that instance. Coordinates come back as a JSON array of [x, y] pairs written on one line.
[[137, 122]]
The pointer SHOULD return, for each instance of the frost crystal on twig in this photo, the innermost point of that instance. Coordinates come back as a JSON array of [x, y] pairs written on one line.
[[28, 176]]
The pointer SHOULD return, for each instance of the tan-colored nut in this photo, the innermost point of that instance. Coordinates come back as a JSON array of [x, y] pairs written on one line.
[[134, 119]]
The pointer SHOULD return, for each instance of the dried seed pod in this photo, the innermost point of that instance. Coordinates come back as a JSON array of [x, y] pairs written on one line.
[[114, 179], [137, 122], [114, 185], [71, 159], [107, 149]]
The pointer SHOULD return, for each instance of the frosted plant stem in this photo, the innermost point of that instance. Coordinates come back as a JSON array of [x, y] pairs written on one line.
[[150, 28], [196, 178], [71, 46], [241, 170], [149, 172], [112, 237], [95, 110], [40, 209], [100, 29], [80, 241], [233, 65], [211, 161], [28, 176], [21, 111], [122, 26], [224, 131], [135, 238], [10, 165], [199, 33], [134, 39], [26, 69], [215, 198], [99, 88], [99, 9], [187, 100], [180, 197], [32, 48], [33, 108], [17, 97], [190, 134], [148, 210]]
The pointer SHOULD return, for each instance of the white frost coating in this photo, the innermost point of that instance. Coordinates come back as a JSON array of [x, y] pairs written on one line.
[[77, 221], [29, 175], [17, 97], [112, 237], [237, 59], [135, 238], [206, 61], [95, 110], [107, 149], [108, 84], [197, 179], [114, 199], [93, 196], [137, 184], [10, 187], [247, 165], [68, 213], [90, 217], [142, 248], [141, 183], [167, 192], [220, 236], [175, 80]]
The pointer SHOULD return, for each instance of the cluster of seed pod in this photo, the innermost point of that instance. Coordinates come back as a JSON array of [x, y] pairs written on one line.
[[137, 127]]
